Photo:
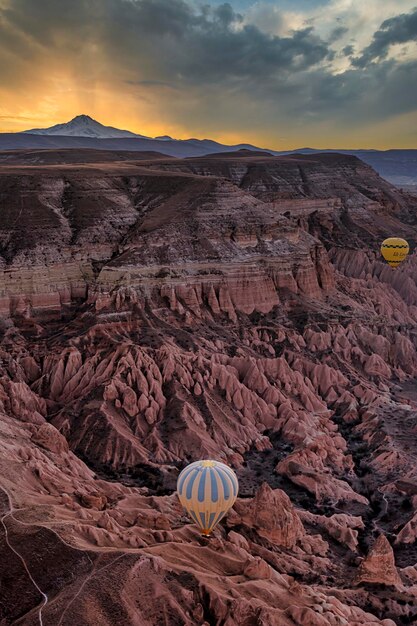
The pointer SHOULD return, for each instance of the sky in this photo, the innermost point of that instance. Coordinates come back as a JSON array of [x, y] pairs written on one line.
[[280, 74]]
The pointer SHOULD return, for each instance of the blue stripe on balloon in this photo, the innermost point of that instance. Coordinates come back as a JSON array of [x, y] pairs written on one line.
[[214, 489], [203, 519], [202, 486], [195, 518], [219, 517], [226, 485], [235, 485], [185, 472], [190, 484], [211, 520], [233, 478]]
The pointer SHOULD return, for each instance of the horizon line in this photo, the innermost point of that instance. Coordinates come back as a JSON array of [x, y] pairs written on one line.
[[144, 138]]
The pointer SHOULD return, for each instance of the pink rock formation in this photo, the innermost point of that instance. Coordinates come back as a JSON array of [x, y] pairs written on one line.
[[343, 528], [231, 307], [271, 514], [48, 437], [379, 565]]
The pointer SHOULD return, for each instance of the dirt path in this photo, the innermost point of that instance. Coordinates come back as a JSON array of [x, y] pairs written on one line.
[[9, 513]]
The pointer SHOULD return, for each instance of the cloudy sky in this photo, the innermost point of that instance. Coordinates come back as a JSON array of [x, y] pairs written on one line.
[[277, 73]]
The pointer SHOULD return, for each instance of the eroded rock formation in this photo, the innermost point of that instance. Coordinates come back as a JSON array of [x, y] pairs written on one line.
[[379, 565], [230, 307]]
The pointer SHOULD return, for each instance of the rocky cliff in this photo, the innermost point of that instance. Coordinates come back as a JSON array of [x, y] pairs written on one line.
[[154, 313]]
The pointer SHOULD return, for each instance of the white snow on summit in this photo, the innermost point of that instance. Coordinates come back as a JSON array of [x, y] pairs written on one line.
[[84, 126]]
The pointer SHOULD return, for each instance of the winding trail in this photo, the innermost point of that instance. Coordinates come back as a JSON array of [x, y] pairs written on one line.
[[93, 572], [9, 513]]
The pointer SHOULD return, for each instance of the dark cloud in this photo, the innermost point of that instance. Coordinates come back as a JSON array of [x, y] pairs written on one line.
[[210, 46], [208, 63], [362, 96], [337, 33], [399, 29], [165, 38], [225, 14], [348, 50]]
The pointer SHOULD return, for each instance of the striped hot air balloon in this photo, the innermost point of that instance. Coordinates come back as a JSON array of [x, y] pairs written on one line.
[[207, 490], [395, 250]]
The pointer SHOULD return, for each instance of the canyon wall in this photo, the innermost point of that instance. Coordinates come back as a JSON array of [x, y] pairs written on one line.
[[233, 308]]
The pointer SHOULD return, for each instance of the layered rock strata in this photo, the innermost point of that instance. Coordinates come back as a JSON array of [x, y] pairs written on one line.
[[206, 310]]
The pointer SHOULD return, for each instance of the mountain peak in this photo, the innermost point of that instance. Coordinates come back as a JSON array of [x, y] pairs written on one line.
[[84, 126], [83, 118], [164, 138]]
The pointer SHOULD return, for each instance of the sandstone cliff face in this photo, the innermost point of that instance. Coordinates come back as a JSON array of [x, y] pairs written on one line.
[[219, 243], [155, 316]]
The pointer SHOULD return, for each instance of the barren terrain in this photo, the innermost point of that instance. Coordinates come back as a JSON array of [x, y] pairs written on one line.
[[156, 311]]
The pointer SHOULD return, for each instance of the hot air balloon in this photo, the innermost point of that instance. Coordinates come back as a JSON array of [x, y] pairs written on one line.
[[207, 490], [395, 250]]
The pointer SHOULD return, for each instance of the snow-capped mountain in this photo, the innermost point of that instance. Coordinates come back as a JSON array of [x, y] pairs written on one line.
[[84, 126], [397, 166]]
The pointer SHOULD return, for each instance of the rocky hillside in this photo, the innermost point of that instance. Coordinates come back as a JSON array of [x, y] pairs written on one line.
[[233, 307]]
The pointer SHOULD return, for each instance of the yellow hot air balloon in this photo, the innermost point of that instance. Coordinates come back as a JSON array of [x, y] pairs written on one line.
[[207, 490], [395, 250]]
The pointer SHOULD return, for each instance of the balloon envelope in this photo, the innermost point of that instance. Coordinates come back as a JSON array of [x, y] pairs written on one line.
[[395, 250], [207, 490]]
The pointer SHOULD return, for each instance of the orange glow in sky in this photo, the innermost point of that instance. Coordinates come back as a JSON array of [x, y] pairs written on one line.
[[237, 73]]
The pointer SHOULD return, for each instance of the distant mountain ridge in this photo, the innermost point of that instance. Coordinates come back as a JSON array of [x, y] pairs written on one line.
[[397, 166], [83, 126]]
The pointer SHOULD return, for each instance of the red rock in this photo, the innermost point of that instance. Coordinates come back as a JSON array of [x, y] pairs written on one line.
[[93, 500], [408, 534], [257, 569], [340, 526], [48, 437], [212, 325], [379, 565], [271, 514]]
